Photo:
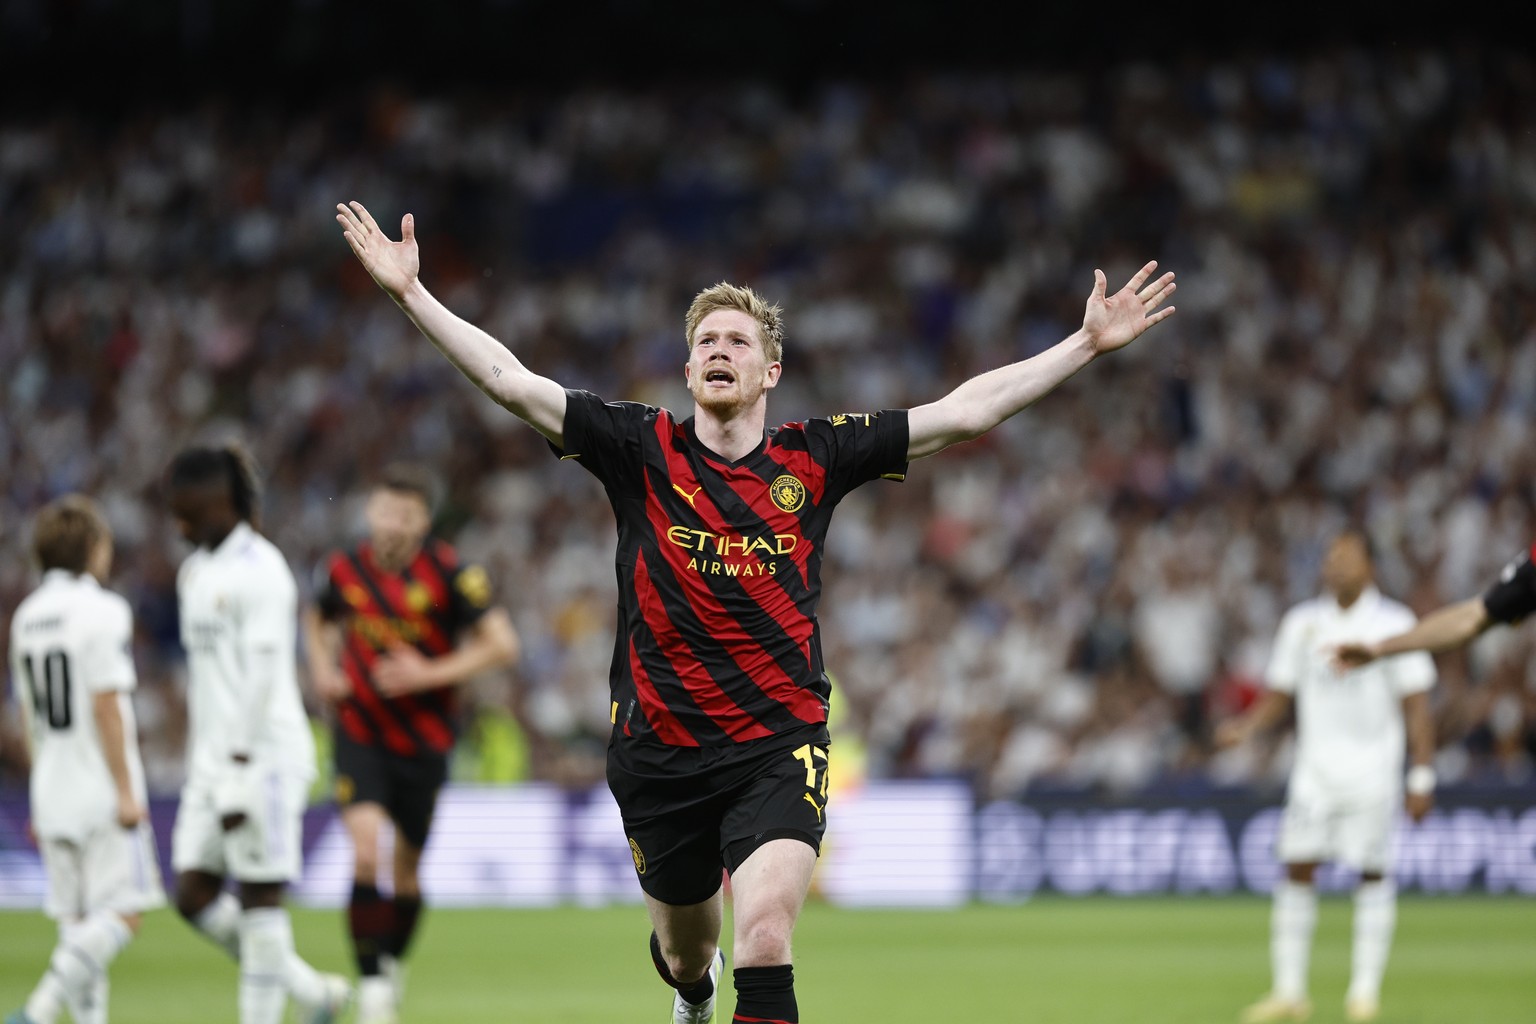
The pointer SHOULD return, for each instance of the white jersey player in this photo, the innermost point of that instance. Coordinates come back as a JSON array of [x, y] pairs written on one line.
[[72, 666], [251, 755], [1347, 781]]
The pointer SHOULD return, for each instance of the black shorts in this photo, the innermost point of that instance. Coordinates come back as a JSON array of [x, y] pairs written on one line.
[[692, 812], [406, 787]]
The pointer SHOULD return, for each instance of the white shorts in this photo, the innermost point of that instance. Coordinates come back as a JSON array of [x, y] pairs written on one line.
[[1354, 830], [111, 869], [266, 847]]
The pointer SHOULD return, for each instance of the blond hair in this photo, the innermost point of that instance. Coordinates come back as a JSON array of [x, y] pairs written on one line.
[[770, 319], [67, 531]]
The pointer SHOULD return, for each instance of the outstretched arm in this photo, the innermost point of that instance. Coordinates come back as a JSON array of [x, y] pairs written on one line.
[[1442, 630], [484, 360], [981, 403]]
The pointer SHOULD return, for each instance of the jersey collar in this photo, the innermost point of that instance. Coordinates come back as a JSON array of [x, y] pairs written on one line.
[[705, 450], [239, 535], [1366, 601], [64, 575]]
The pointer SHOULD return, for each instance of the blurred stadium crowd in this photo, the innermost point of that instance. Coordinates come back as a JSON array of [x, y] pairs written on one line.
[[1070, 601]]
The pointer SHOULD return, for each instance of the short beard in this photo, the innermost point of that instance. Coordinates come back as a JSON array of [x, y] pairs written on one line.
[[722, 405]]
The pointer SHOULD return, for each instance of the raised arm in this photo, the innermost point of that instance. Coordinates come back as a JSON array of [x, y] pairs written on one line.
[[395, 267], [981, 403]]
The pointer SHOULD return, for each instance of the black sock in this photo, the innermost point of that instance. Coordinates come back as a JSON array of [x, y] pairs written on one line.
[[766, 994], [695, 993], [370, 918], [407, 915]]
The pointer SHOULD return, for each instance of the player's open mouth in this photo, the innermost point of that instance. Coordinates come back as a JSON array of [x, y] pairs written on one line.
[[718, 377]]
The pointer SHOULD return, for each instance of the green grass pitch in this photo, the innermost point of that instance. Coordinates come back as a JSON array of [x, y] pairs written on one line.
[[1099, 961]]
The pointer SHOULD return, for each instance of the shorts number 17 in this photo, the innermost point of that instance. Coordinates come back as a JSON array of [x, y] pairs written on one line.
[[807, 756]]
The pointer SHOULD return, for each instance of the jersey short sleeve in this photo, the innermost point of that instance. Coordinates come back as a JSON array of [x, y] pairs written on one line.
[[328, 599], [605, 437], [106, 653], [1513, 597], [469, 595], [1287, 662], [859, 447]]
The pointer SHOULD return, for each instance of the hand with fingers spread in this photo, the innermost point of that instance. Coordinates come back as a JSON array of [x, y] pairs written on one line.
[[1114, 321], [393, 265]]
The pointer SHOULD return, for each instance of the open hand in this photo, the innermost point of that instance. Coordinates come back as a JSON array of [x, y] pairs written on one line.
[[394, 265], [1114, 321]]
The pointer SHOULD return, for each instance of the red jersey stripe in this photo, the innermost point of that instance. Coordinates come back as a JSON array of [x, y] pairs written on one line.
[[754, 662], [662, 721], [702, 687]]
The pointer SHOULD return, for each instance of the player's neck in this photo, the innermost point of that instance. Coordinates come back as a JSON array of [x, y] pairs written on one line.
[[396, 561], [731, 435], [1347, 598]]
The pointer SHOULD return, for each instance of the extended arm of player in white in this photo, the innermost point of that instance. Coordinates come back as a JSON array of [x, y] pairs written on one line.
[[981, 403], [395, 266], [106, 708]]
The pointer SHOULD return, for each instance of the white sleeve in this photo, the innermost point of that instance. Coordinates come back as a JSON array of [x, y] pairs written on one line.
[[1286, 660], [264, 641], [106, 657]]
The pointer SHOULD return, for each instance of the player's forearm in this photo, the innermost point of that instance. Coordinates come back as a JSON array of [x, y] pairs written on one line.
[[114, 741], [488, 363], [1273, 708], [492, 643], [988, 399], [1442, 630], [322, 643], [1420, 728]]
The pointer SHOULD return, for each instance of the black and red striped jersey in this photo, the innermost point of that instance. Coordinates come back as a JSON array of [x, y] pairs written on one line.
[[1513, 597], [719, 564], [426, 605]]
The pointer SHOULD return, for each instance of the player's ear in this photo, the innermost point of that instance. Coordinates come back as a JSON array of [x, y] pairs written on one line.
[[773, 372]]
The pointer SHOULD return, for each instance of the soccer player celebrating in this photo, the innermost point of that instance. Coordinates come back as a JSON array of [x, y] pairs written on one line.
[[399, 623], [71, 656], [1508, 601], [250, 756], [1347, 781], [718, 750]]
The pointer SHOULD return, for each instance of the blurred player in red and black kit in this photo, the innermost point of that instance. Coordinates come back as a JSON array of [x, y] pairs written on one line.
[[718, 751], [1508, 601], [398, 622]]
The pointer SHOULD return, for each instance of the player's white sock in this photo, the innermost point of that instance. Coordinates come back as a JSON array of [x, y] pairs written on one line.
[[220, 921], [305, 984], [91, 1008], [266, 943], [1375, 917], [85, 950], [1292, 921]]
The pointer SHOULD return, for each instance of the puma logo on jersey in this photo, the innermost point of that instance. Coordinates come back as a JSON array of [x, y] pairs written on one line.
[[814, 804], [686, 496]]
